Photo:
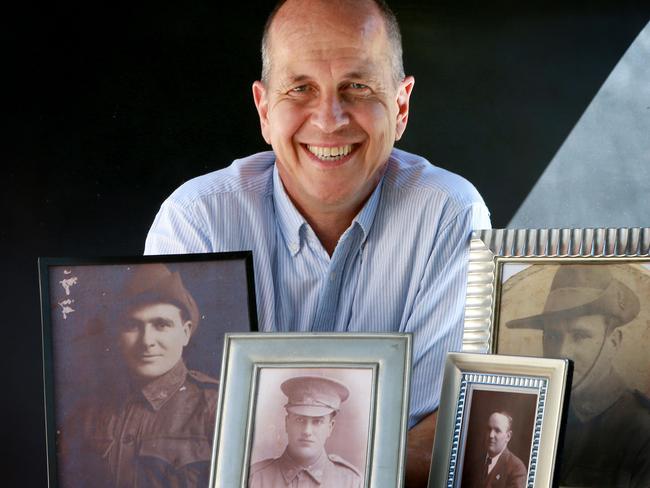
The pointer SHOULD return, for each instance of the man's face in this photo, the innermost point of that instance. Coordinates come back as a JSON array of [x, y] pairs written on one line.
[[152, 338], [331, 108], [579, 338], [307, 436], [499, 433]]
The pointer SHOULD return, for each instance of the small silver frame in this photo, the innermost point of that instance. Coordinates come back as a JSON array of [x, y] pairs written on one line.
[[490, 249], [389, 355], [549, 379]]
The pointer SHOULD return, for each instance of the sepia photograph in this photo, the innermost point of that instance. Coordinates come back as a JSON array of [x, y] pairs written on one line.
[[132, 352], [500, 421], [596, 313], [497, 447], [312, 409], [311, 423]]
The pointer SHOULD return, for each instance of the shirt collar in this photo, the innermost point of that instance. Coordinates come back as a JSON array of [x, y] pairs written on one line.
[[290, 468], [291, 222], [160, 390], [288, 217]]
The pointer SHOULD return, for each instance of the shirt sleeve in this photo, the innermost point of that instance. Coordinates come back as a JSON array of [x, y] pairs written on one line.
[[439, 310], [177, 230]]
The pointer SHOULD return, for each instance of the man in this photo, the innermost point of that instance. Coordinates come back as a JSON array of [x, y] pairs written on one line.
[[499, 468], [312, 404], [608, 432], [347, 233], [154, 428]]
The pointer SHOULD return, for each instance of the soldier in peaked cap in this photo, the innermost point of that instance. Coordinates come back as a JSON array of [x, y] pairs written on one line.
[[159, 433], [312, 404], [608, 431]]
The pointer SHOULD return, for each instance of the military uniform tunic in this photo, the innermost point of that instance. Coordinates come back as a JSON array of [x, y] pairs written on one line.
[[158, 436], [610, 449], [330, 471]]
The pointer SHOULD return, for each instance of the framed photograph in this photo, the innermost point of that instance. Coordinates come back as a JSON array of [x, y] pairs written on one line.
[[500, 421], [312, 409], [132, 355], [582, 294]]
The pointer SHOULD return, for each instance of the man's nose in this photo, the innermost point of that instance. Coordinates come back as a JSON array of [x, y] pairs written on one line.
[[147, 335], [330, 114], [307, 428]]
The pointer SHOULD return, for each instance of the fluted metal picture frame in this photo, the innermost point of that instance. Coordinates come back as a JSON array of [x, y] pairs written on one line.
[[500, 421], [326, 409], [131, 361], [582, 294]]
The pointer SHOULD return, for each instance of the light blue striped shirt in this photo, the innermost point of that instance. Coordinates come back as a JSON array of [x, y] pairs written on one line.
[[400, 266]]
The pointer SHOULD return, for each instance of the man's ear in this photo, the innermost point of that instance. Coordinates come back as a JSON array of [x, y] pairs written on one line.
[[616, 337], [403, 97], [262, 105], [187, 330]]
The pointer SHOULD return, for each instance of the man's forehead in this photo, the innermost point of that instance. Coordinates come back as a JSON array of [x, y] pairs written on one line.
[[320, 22]]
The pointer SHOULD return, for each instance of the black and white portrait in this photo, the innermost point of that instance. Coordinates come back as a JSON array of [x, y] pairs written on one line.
[[498, 438], [312, 425], [598, 315], [136, 357]]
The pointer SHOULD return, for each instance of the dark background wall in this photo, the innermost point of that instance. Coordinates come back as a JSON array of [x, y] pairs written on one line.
[[111, 106]]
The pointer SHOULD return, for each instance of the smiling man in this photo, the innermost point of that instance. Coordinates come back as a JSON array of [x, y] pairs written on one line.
[[347, 232], [312, 405], [157, 431], [500, 468]]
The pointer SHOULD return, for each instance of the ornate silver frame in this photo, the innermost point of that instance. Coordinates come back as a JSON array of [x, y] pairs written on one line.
[[548, 378], [244, 354], [490, 248]]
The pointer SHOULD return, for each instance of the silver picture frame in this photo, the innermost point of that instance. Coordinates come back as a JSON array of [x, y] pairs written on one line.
[[530, 392], [252, 407], [490, 249], [582, 294]]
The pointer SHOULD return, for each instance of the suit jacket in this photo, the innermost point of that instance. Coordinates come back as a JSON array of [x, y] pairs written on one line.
[[509, 472]]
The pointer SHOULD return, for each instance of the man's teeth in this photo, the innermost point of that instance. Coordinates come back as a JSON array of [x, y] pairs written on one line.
[[330, 153]]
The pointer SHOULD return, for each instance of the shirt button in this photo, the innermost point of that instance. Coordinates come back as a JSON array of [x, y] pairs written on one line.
[[127, 439]]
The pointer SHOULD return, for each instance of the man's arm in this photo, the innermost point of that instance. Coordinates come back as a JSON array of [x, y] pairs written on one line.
[[419, 445]]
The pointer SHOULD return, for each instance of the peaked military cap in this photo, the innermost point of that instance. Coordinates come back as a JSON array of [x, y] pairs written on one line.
[[314, 396]]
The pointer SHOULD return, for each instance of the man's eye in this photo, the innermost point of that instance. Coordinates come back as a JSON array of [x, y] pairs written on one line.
[[358, 86], [300, 89], [580, 335], [129, 325]]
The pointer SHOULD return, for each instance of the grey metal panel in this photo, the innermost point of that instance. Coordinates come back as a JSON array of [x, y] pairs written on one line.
[[600, 177]]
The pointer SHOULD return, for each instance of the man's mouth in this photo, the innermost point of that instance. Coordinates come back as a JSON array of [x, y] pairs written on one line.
[[330, 153]]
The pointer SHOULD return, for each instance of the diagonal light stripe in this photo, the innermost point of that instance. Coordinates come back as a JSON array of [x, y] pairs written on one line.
[[600, 176]]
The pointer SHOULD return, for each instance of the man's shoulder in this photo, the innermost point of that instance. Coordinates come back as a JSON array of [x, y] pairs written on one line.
[[410, 172], [513, 461], [262, 465], [246, 176], [341, 463], [202, 379]]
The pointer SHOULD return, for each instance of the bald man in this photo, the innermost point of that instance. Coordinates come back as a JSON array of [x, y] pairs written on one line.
[[347, 232]]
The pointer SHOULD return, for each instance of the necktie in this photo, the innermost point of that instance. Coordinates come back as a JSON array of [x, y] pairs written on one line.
[[488, 461]]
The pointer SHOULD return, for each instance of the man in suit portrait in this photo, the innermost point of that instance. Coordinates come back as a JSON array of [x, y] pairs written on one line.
[[607, 441], [497, 467], [312, 405]]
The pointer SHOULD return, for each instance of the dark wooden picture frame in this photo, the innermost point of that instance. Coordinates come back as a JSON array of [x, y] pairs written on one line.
[[114, 392]]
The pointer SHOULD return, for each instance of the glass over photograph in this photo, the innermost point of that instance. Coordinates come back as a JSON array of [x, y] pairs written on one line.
[[498, 440], [136, 353], [598, 315], [311, 427]]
